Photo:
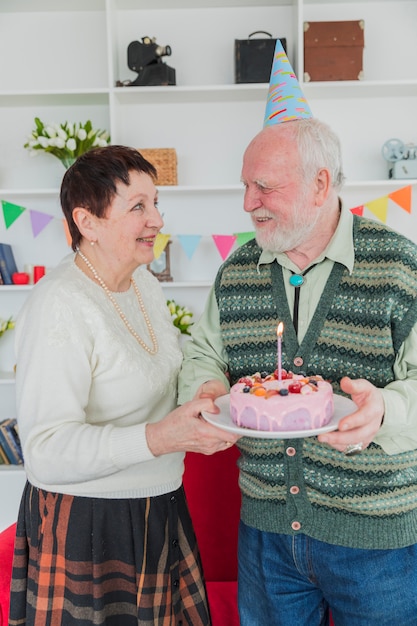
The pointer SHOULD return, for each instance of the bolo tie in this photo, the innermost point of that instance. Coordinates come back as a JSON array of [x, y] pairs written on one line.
[[296, 281]]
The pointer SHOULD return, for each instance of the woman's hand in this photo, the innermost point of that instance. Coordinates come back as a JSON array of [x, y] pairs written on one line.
[[185, 430]]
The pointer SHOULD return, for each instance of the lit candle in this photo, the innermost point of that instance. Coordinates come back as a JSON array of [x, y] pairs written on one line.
[[280, 329]]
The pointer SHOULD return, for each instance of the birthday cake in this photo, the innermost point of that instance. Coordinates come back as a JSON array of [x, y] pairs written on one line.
[[296, 402]]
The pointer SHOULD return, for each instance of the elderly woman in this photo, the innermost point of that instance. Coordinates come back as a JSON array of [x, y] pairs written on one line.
[[104, 535]]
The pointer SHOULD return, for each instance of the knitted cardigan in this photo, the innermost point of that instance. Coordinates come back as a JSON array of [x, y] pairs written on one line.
[[365, 501]]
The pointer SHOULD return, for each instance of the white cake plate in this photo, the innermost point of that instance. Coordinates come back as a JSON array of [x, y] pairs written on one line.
[[342, 406]]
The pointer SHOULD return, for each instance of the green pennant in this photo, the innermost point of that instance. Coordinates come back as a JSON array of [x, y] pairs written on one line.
[[11, 212], [242, 238]]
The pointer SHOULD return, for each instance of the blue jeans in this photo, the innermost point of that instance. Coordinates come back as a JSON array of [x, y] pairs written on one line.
[[286, 580]]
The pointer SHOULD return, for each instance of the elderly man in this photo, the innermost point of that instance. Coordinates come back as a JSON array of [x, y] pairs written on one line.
[[320, 527]]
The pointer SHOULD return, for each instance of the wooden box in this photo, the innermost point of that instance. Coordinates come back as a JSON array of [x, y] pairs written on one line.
[[253, 58], [165, 162], [333, 50]]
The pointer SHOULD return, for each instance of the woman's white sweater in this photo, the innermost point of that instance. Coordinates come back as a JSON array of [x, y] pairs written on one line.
[[86, 388]]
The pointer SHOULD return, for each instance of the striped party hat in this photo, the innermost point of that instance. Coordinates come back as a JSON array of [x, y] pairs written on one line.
[[286, 101]]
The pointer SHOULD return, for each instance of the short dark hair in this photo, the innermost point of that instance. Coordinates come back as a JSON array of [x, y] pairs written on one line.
[[91, 181]]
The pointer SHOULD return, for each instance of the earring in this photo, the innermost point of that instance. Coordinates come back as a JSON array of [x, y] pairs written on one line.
[[92, 243]]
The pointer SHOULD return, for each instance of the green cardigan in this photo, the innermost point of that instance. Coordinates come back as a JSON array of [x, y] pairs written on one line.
[[365, 501]]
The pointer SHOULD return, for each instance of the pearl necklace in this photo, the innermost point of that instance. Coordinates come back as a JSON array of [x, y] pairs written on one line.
[[110, 296]]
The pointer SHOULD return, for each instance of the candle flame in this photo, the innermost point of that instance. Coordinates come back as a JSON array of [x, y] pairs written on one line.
[[280, 329]]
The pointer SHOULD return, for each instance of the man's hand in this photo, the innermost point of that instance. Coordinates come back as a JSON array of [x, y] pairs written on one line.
[[362, 425], [211, 389]]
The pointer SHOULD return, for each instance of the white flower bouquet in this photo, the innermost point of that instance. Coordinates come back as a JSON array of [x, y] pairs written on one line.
[[6, 325], [181, 317], [65, 141]]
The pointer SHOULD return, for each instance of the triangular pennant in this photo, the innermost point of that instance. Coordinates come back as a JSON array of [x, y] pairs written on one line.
[[11, 212], [242, 238], [67, 232], [39, 221], [224, 244], [161, 241], [189, 243], [402, 197], [358, 210], [379, 208]]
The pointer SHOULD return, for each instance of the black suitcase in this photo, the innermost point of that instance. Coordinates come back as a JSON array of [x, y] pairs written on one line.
[[253, 58]]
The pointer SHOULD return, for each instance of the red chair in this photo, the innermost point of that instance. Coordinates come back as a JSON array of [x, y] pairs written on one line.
[[211, 486], [6, 558]]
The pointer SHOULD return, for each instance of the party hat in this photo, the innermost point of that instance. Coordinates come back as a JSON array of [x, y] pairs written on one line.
[[285, 101]]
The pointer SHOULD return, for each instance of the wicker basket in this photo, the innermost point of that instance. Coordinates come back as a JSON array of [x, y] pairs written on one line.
[[165, 161]]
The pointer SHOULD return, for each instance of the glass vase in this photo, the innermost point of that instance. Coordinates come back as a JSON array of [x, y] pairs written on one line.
[[68, 161]]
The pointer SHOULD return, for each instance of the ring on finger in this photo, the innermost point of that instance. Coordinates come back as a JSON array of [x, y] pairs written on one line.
[[353, 448]]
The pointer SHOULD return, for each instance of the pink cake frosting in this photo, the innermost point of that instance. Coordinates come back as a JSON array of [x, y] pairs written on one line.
[[297, 402]]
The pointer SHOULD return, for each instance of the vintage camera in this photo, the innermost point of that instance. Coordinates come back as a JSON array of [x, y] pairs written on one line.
[[402, 158], [145, 58]]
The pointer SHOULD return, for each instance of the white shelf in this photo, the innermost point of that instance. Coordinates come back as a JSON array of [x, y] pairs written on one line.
[[335, 2], [52, 193], [15, 288], [213, 92], [209, 93], [201, 4], [197, 284], [11, 489], [46, 95], [199, 189], [383, 184], [28, 6], [7, 378], [360, 89]]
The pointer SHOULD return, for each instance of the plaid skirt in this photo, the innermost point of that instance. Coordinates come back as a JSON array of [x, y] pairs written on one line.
[[81, 561]]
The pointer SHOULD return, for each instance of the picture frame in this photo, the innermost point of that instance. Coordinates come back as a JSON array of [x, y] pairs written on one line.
[[161, 267]]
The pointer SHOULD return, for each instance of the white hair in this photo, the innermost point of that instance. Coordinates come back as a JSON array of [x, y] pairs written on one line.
[[319, 147]]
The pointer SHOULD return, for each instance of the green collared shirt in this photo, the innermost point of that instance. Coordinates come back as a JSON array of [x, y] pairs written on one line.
[[206, 359]]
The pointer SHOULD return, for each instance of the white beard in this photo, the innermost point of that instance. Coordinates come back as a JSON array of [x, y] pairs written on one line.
[[288, 237]]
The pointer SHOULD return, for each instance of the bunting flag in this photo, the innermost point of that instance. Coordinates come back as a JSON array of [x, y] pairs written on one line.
[[224, 244], [39, 221], [189, 243], [11, 212], [161, 241], [242, 238], [402, 197], [379, 208]]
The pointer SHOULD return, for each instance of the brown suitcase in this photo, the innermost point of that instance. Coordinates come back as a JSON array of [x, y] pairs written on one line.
[[333, 50]]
